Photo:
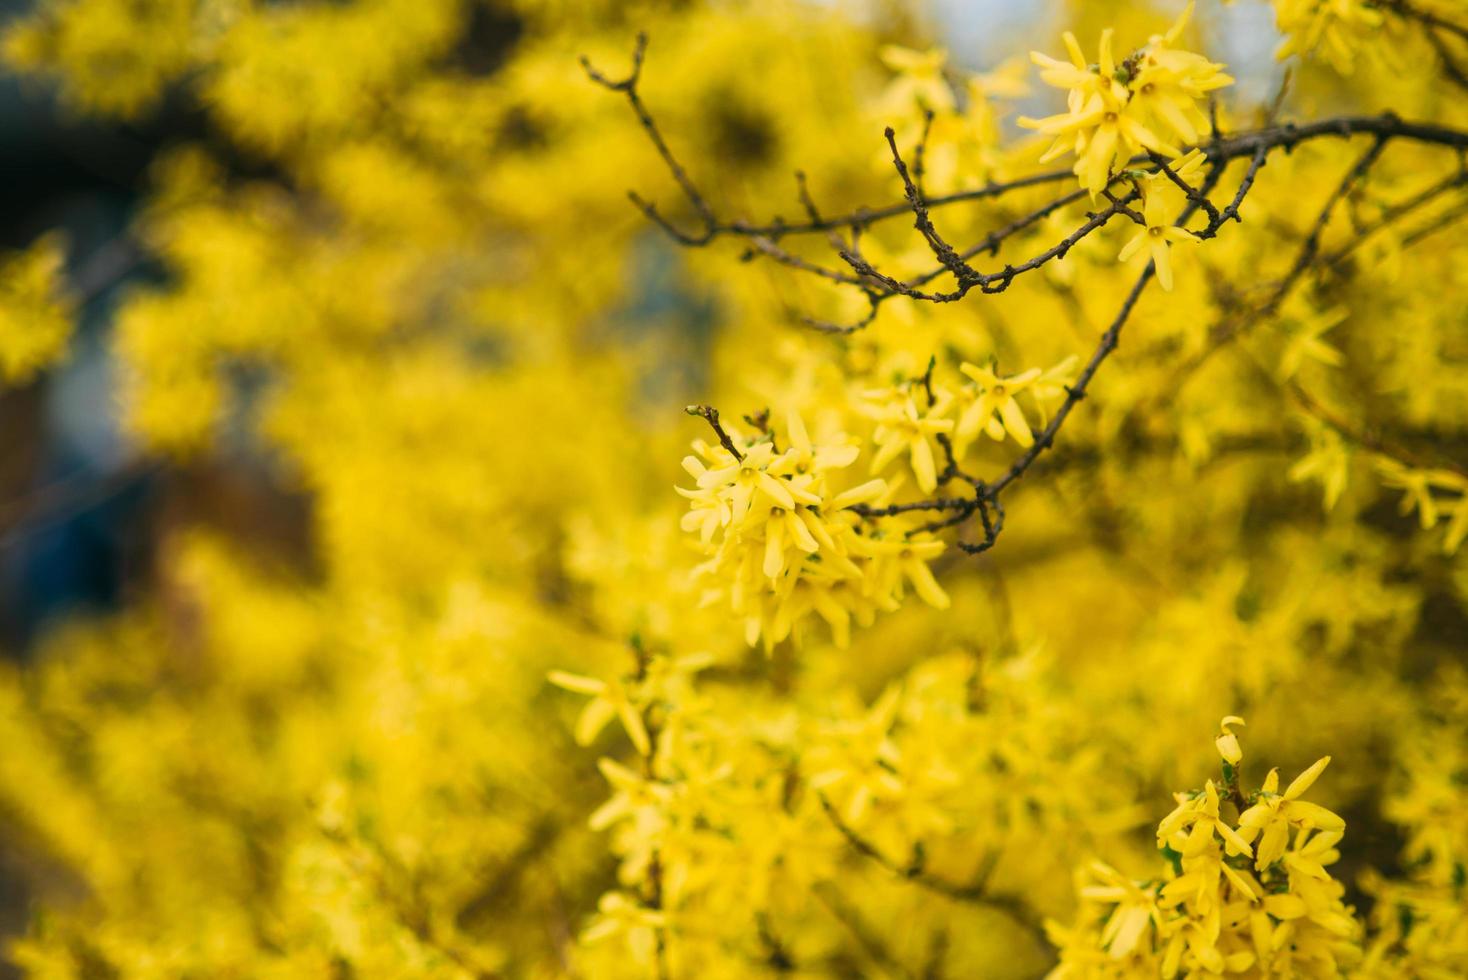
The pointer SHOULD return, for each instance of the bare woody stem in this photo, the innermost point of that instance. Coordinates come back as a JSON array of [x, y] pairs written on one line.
[[711, 415]]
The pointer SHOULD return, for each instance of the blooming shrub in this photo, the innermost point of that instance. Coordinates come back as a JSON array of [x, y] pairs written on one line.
[[1005, 481]]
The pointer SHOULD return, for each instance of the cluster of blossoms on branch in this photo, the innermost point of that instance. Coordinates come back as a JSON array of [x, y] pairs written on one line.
[[783, 542], [1245, 888], [889, 790], [793, 527], [1152, 100]]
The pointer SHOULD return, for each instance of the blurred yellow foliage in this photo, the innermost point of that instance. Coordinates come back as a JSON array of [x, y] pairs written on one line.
[[35, 310]]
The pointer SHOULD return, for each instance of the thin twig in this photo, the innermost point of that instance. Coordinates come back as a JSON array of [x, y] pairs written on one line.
[[711, 415]]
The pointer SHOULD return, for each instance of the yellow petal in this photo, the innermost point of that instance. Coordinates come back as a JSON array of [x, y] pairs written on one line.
[[1306, 779], [864, 493], [1284, 906], [776, 490], [774, 549], [1163, 265], [922, 464], [1228, 748], [575, 682], [636, 731], [924, 584], [1015, 423], [1315, 815]]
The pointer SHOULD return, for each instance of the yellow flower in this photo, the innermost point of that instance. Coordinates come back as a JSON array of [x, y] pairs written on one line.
[[1416, 486], [1339, 27], [609, 699], [895, 558], [620, 915], [1271, 817], [1104, 134], [919, 80], [905, 428], [1329, 461], [1158, 234], [1312, 853], [1051, 386], [806, 457], [783, 538], [995, 410], [1112, 108], [740, 483], [1189, 829], [1305, 343], [860, 756], [1077, 74], [1169, 83], [641, 799], [1136, 908]]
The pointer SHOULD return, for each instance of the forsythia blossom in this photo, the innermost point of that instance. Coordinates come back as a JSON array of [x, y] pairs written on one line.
[[1430, 492], [1157, 237], [1247, 894], [994, 409], [788, 531], [783, 540], [1150, 100]]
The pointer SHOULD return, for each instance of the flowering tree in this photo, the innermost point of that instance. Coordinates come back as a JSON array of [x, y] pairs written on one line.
[[1002, 491]]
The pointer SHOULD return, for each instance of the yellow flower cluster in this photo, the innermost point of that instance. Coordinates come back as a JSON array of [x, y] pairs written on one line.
[[35, 311], [784, 543], [915, 418], [781, 521], [1246, 892], [782, 801], [1150, 100]]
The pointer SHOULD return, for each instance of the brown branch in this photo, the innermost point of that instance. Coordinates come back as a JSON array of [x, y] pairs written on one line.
[[1218, 150], [1076, 392], [1455, 72], [944, 252], [1109, 340], [1426, 18], [1226, 330], [1214, 218], [711, 415], [628, 87]]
